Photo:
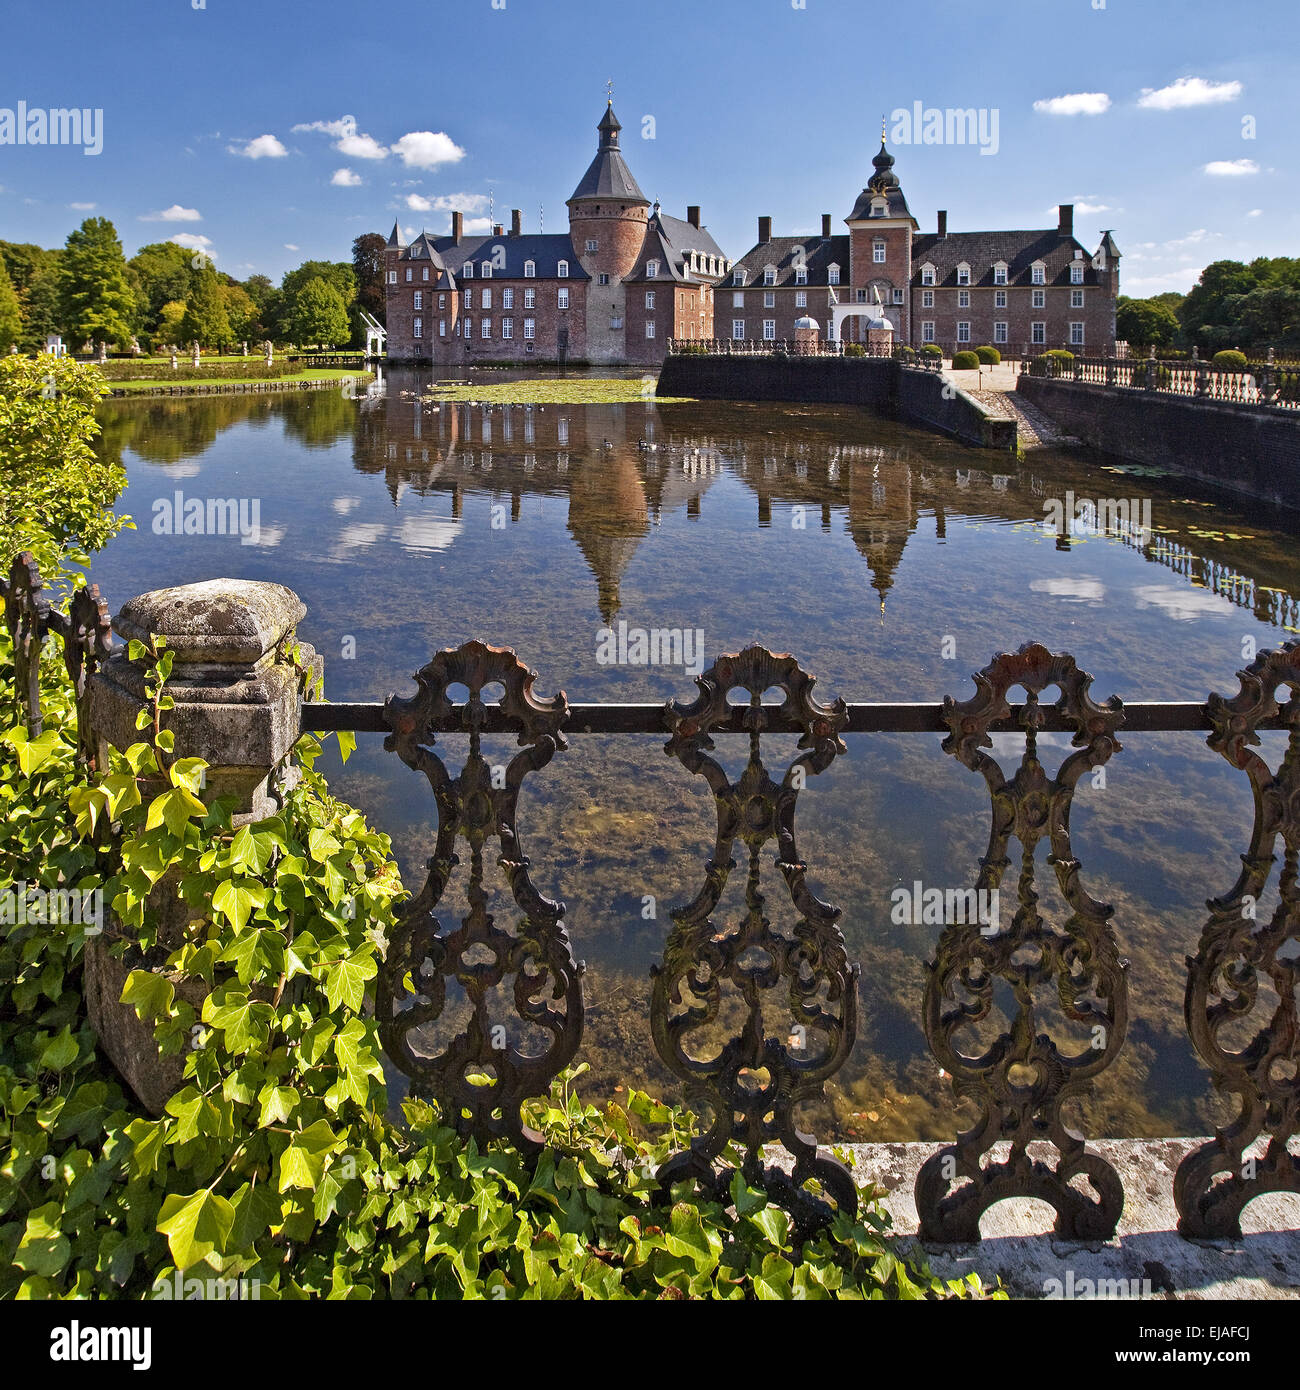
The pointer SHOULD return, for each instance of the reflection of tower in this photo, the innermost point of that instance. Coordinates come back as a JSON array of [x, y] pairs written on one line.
[[882, 515], [608, 517]]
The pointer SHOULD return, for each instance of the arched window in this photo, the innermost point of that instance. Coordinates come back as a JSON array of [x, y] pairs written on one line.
[[832, 275], [530, 270], [562, 270], [467, 270], [652, 269]]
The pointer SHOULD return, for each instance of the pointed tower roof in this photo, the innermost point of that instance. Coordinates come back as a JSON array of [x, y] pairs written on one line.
[[395, 236], [882, 184], [607, 175]]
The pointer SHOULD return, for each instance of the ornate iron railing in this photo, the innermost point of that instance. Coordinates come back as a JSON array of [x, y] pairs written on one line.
[[749, 1081], [1260, 384]]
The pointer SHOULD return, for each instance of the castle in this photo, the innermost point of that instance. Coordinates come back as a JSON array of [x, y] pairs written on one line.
[[626, 278]]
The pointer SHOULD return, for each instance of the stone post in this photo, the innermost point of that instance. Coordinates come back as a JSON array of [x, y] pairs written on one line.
[[237, 705]]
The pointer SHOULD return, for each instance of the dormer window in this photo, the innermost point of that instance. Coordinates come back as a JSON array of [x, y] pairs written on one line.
[[1038, 275], [486, 270], [562, 270], [801, 275], [530, 270], [467, 270], [769, 275], [1000, 273], [963, 274], [832, 275], [927, 275], [652, 269], [737, 276], [1076, 274]]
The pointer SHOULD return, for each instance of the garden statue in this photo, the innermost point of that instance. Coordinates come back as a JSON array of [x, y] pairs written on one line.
[[194, 355]]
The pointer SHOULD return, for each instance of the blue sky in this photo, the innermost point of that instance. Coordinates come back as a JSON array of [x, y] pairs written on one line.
[[226, 125]]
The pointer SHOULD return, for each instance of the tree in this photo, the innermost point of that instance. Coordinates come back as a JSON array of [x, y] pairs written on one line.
[[241, 312], [11, 321], [168, 330], [205, 320], [34, 273], [161, 273], [337, 273], [318, 314], [368, 267], [1144, 323], [95, 299]]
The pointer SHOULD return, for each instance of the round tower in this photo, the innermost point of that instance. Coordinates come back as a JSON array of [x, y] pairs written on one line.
[[607, 225]]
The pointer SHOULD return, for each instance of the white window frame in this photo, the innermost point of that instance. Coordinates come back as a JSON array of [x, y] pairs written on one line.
[[442, 328], [530, 329], [1000, 331], [878, 252], [769, 330], [507, 298], [530, 299], [530, 270], [1076, 274], [738, 299], [485, 300], [769, 299], [833, 275], [737, 330], [1038, 274], [417, 328], [649, 328], [801, 275], [1076, 333], [927, 331], [424, 273], [769, 275], [408, 275], [562, 270], [649, 299], [562, 297], [963, 331], [485, 270], [467, 270], [963, 299], [963, 274], [1076, 299], [1000, 273], [468, 298], [392, 277], [1038, 332], [999, 299], [927, 299], [652, 269], [418, 300], [1039, 299], [801, 299], [593, 245], [927, 275], [507, 328], [738, 276], [469, 328], [486, 329]]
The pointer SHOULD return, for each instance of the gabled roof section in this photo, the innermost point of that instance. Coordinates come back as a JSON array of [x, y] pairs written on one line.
[[819, 254], [983, 250], [546, 251], [607, 175]]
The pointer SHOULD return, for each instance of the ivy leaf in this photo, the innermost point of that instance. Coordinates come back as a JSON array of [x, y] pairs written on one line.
[[195, 1226], [773, 1223], [302, 1164], [245, 1022], [255, 1209], [346, 981], [251, 852], [34, 753], [278, 1103], [151, 995], [322, 844], [44, 1249], [235, 900], [147, 1137], [187, 773], [174, 809], [61, 1051]]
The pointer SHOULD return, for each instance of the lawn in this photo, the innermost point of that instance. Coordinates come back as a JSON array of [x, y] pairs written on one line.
[[554, 391], [311, 374]]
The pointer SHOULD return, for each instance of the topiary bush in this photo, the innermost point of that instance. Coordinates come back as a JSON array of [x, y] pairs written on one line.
[[965, 361], [855, 350], [988, 355], [903, 353], [930, 350], [1230, 360], [1061, 355]]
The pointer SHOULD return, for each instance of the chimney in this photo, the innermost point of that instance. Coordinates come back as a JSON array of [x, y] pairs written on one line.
[[826, 224], [943, 222], [498, 229], [516, 222], [1066, 225], [764, 229], [457, 226], [693, 215]]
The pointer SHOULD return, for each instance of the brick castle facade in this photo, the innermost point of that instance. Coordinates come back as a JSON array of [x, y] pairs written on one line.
[[626, 278]]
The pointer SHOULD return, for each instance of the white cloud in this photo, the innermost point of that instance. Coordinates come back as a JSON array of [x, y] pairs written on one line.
[[175, 213], [263, 147], [345, 178], [1084, 589], [1183, 605], [77, 207], [1086, 205], [1254, 212], [1180, 280], [346, 139], [1188, 91], [418, 204], [1231, 168], [448, 202], [1075, 104], [478, 226], [343, 126], [427, 149], [194, 242], [292, 246]]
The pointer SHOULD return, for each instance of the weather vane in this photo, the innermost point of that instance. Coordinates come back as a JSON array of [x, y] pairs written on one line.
[[609, 91], [882, 129]]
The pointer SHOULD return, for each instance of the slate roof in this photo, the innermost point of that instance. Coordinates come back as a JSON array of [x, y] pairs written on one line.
[[820, 253], [982, 250], [607, 175], [668, 240], [545, 249]]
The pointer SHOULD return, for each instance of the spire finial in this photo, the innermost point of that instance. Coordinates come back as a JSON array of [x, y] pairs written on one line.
[[882, 129], [609, 91]]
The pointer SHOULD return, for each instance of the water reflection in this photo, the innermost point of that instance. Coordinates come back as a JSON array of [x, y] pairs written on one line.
[[891, 562]]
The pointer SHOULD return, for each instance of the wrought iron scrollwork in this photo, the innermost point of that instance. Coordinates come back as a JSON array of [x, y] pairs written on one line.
[[1022, 1079], [85, 630], [1237, 952], [423, 956], [808, 967]]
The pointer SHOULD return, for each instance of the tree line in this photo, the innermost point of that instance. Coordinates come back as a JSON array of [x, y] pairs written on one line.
[[1253, 307], [167, 295]]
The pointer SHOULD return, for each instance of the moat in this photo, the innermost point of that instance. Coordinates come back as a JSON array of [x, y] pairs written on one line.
[[892, 563]]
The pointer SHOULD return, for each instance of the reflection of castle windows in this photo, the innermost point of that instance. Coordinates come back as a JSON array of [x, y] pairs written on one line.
[[649, 428], [507, 425], [486, 459], [833, 473], [392, 452], [424, 456], [877, 492], [562, 463], [418, 422], [562, 430], [693, 507], [826, 516], [530, 462], [530, 430], [487, 428], [408, 453]]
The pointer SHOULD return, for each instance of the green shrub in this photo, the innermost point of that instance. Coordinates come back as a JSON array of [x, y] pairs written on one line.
[[1062, 355], [988, 355], [276, 1160], [855, 350], [1229, 360], [964, 361], [931, 350], [209, 369], [903, 353]]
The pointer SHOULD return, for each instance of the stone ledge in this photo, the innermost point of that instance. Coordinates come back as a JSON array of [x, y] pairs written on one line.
[[1018, 1245]]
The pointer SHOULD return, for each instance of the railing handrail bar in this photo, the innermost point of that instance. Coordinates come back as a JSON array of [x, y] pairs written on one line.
[[1141, 716]]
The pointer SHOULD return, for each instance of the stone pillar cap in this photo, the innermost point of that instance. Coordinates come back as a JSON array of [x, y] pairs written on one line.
[[222, 622]]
